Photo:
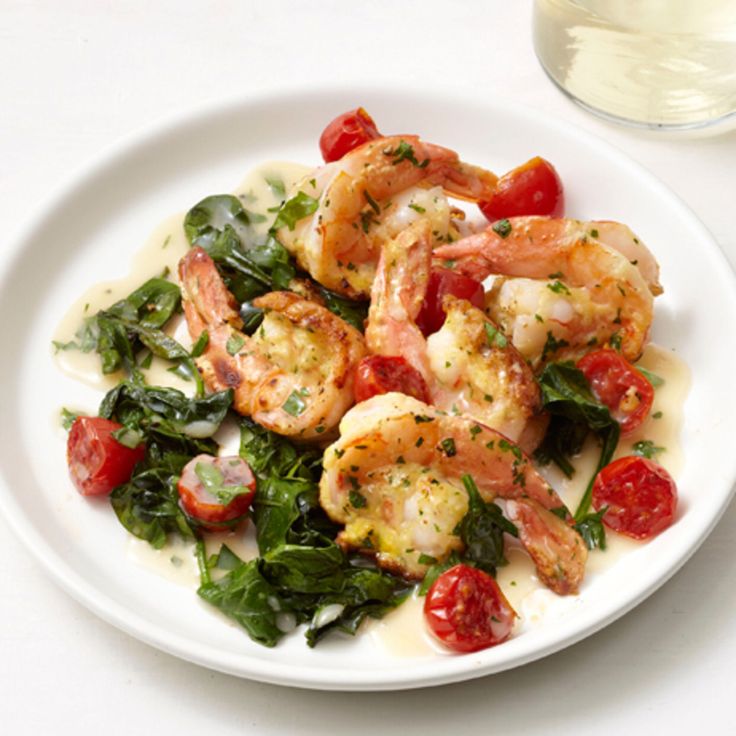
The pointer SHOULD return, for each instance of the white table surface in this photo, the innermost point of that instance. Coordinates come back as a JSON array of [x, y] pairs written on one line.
[[79, 74]]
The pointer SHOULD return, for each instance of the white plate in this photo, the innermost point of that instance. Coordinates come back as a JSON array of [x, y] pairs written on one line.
[[90, 230]]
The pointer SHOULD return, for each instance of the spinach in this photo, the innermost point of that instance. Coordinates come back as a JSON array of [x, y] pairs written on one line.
[[353, 312], [245, 596], [204, 223], [163, 413], [249, 265], [301, 571], [567, 396], [366, 593], [590, 528], [252, 317], [306, 569], [148, 506], [252, 265], [481, 530], [121, 331], [175, 429], [436, 570]]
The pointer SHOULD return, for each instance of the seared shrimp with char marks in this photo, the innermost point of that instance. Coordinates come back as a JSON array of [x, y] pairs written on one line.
[[394, 479], [362, 200], [468, 365], [594, 291], [294, 375]]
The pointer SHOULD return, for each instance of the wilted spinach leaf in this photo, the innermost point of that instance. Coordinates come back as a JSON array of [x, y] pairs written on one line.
[[353, 312], [121, 331], [482, 529], [567, 396], [208, 218], [250, 265], [245, 596], [148, 506]]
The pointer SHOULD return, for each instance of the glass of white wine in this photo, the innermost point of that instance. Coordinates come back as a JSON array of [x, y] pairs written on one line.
[[652, 63]]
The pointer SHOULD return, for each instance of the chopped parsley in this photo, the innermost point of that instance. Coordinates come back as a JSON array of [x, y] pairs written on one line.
[[295, 404], [496, 338], [653, 378], [647, 449], [558, 288], [405, 152], [372, 202], [357, 499], [447, 445], [214, 483], [552, 345], [502, 228], [234, 343]]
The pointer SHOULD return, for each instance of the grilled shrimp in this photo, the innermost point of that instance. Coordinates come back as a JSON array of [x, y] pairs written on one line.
[[294, 375], [576, 284], [357, 208], [394, 479], [468, 365]]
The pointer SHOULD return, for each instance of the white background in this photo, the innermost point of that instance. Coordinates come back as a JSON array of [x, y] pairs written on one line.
[[76, 76]]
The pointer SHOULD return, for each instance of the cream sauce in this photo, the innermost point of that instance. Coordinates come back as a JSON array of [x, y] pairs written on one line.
[[402, 632]]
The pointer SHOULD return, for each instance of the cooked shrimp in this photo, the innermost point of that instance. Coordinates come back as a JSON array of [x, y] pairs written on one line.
[[358, 207], [294, 375], [394, 479], [468, 365], [596, 294]]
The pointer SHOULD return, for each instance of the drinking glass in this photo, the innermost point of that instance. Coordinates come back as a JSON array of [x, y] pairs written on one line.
[[652, 63]]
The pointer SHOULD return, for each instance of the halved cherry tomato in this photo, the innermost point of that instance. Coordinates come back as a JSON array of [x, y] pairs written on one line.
[[442, 281], [381, 374], [467, 611], [346, 132], [534, 188], [97, 461], [216, 491], [640, 495], [618, 385]]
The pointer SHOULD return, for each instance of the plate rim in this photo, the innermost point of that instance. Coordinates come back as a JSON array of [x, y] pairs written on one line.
[[274, 672]]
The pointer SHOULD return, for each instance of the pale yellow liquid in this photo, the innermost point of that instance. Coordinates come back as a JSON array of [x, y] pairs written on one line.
[[657, 63]]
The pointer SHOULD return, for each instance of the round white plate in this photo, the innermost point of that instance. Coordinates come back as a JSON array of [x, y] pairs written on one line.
[[89, 231]]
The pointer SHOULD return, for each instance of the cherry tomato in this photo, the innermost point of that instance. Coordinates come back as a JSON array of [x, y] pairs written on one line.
[[216, 491], [97, 461], [466, 610], [380, 374], [534, 188], [618, 385], [442, 281], [346, 132], [640, 495]]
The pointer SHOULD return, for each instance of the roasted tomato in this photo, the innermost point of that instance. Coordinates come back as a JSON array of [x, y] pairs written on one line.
[[640, 496], [345, 132], [467, 611], [216, 492], [617, 384], [97, 461], [534, 188], [381, 374], [442, 281]]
